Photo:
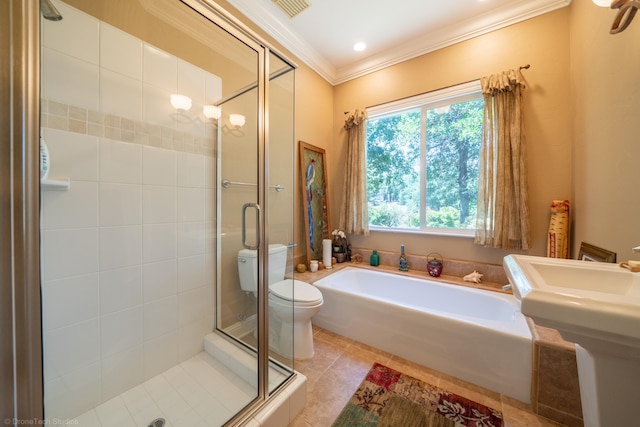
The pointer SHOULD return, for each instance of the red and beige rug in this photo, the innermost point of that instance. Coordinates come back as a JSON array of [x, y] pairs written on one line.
[[389, 398]]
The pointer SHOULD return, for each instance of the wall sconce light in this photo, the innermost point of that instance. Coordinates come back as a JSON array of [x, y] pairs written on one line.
[[237, 120], [180, 102], [602, 3], [212, 112]]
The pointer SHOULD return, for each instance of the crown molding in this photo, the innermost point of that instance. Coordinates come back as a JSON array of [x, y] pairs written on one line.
[[265, 18], [436, 40]]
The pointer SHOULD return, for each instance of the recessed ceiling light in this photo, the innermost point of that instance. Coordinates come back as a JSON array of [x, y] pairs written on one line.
[[360, 46]]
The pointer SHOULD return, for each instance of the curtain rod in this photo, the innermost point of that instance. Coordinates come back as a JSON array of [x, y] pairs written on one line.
[[523, 67]]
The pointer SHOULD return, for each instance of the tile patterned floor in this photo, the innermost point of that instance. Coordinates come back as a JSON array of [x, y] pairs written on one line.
[[199, 392], [340, 364]]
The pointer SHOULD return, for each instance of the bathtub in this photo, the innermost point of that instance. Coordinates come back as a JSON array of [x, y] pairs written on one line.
[[475, 335]]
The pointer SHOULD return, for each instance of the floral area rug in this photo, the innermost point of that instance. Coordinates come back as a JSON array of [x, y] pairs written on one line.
[[388, 398]]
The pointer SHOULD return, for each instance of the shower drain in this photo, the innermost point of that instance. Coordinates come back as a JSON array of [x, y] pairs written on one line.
[[158, 422]]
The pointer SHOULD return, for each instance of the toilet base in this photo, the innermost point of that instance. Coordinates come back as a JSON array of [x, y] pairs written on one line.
[[298, 345], [301, 341]]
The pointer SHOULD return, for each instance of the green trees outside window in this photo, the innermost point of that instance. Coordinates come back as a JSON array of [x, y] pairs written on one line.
[[422, 165]]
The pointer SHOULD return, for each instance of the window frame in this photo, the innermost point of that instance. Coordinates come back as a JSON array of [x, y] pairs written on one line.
[[427, 101]]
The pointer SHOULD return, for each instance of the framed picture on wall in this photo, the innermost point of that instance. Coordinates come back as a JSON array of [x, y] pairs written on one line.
[[589, 252], [313, 172]]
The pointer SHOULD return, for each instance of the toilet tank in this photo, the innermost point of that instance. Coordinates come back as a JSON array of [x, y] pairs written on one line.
[[248, 266], [248, 270], [277, 262]]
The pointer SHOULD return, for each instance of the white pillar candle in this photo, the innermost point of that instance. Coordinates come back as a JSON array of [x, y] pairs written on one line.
[[326, 253]]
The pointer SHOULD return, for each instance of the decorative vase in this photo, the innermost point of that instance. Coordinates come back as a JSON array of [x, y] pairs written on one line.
[[434, 265], [374, 259], [403, 264]]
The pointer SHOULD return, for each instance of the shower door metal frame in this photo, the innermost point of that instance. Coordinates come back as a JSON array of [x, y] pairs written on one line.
[[20, 312]]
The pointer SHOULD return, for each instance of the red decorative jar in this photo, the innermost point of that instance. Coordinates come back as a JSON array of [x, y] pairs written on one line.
[[434, 264]]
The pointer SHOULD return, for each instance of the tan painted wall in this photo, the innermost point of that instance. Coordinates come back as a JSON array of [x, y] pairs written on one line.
[[582, 87], [542, 42], [314, 119], [605, 84]]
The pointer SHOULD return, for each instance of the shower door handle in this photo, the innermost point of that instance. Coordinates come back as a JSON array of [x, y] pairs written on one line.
[[244, 225]]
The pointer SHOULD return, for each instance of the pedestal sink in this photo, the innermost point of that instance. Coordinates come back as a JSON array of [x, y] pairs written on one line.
[[596, 306]]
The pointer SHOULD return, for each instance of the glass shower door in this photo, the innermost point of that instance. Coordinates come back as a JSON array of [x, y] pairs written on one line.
[[133, 119], [242, 217], [239, 220], [280, 221]]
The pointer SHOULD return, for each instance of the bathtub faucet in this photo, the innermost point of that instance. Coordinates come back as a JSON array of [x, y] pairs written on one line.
[[507, 287], [636, 249]]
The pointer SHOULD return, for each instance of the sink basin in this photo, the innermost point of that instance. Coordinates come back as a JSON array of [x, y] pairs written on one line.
[[599, 299], [596, 306]]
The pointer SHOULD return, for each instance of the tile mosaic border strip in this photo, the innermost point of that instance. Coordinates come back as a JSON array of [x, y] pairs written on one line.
[[57, 115]]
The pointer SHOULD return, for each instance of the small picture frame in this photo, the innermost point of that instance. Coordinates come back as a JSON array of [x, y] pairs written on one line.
[[589, 252]]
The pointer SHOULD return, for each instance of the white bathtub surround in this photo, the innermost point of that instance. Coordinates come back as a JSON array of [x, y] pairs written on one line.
[[475, 335]]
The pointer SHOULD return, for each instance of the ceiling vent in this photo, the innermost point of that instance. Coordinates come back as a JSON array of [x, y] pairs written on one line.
[[292, 7]]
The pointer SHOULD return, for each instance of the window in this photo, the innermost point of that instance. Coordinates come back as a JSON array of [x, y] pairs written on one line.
[[422, 161]]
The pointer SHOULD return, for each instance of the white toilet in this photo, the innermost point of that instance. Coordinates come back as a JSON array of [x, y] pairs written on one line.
[[289, 301]]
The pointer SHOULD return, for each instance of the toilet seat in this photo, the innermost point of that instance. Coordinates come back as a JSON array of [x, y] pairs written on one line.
[[300, 293]]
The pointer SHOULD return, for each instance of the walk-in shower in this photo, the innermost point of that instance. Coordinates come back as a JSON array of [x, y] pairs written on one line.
[[143, 318]]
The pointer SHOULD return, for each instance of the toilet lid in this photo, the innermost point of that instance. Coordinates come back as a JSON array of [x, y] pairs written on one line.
[[299, 292]]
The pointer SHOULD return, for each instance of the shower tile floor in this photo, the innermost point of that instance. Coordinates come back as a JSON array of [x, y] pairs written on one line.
[[199, 392]]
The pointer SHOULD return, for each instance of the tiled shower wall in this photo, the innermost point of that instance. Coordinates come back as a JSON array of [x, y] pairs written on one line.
[[128, 251]]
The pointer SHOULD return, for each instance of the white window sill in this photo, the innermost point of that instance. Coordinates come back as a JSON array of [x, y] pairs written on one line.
[[427, 232]]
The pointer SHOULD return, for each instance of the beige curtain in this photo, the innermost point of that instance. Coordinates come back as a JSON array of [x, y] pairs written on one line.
[[353, 212], [503, 211]]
